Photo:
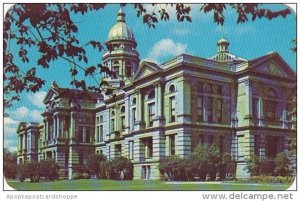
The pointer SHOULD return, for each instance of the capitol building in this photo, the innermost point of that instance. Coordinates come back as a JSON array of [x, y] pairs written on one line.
[[159, 110]]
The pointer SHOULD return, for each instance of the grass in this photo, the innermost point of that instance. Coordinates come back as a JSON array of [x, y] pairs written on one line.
[[106, 185]]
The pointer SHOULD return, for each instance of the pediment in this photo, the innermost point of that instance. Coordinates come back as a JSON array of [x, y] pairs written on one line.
[[21, 126], [145, 69], [51, 94], [273, 65]]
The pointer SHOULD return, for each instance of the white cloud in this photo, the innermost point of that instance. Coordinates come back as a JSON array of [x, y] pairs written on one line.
[[10, 136], [166, 48], [26, 115], [9, 121], [37, 98]]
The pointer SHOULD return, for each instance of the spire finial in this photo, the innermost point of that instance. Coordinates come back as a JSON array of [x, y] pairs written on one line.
[[121, 15]]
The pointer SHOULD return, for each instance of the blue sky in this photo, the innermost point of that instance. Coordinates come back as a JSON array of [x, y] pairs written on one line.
[[249, 40]]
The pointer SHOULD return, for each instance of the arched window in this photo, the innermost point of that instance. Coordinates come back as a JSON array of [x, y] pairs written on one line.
[[151, 94], [128, 69], [113, 113], [133, 101], [122, 109], [172, 88], [115, 68]]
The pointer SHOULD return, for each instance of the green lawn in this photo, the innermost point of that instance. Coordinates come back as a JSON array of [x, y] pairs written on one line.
[[94, 184]]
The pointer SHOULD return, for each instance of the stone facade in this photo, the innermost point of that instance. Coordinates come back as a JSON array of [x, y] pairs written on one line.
[[168, 109]]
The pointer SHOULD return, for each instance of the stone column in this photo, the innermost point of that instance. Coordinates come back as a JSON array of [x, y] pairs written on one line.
[[72, 133], [127, 114], [139, 111], [24, 141], [260, 111], [45, 129], [57, 127], [117, 118], [19, 143], [139, 106], [158, 104], [248, 103], [53, 127], [183, 100], [61, 134]]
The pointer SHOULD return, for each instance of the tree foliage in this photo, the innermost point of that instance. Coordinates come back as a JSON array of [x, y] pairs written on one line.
[[119, 168], [48, 169], [204, 163], [282, 167], [9, 164], [49, 30], [94, 162]]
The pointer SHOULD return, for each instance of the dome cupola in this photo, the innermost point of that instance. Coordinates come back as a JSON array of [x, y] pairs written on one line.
[[121, 57], [120, 31]]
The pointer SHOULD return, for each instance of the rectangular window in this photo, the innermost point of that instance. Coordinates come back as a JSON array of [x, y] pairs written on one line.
[[210, 109], [151, 113], [200, 108], [255, 107], [134, 114], [118, 150], [97, 120], [28, 143], [112, 125], [172, 109], [97, 133], [101, 119], [130, 149], [101, 133], [172, 145], [219, 110], [209, 88], [272, 148], [270, 110], [148, 147], [122, 122], [81, 134]]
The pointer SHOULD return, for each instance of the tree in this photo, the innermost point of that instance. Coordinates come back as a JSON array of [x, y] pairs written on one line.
[[9, 164], [30, 171], [94, 163], [49, 30]]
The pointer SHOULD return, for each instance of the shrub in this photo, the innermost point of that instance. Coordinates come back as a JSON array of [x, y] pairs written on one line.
[[259, 166], [76, 176], [118, 169], [30, 171], [282, 165], [85, 176], [22, 172], [49, 169], [172, 168], [204, 163], [268, 179], [93, 163]]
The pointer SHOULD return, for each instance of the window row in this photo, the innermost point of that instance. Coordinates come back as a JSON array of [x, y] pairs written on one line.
[[210, 109]]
